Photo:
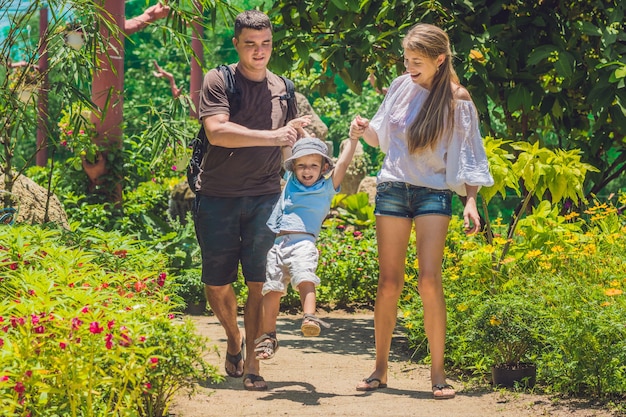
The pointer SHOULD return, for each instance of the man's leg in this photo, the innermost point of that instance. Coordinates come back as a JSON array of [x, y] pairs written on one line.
[[216, 222], [223, 303], [256, 241], [252, 319]]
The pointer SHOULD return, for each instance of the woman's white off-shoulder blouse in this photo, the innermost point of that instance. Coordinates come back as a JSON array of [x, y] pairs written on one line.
[[453, 163]]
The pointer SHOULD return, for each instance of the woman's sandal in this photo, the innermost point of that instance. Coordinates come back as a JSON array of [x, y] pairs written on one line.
[[266, 346], [311, 325]]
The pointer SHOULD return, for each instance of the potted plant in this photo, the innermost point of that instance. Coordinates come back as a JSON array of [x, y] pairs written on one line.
[[74, 36], [506, 332], [190, 288]]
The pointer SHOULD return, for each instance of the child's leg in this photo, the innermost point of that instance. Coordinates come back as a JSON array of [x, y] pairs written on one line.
[[271, 307], [307, 297], [267, 344]]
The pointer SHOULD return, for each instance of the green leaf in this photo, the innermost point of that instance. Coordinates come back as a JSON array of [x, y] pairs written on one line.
[[540, 53]]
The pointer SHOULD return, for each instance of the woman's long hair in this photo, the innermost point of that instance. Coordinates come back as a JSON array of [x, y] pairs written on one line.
[[437, 113]]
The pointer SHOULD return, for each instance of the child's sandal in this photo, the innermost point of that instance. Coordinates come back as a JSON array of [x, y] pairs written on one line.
[[311, 325], [266, 346]]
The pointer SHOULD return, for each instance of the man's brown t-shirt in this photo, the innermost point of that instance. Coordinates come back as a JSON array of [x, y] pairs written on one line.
[[240, 172]]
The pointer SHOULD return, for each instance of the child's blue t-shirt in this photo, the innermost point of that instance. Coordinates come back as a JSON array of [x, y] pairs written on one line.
[[301, 208]]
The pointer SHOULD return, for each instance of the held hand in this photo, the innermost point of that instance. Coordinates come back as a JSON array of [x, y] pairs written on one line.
[[300, 121], [358, 127], [286, 136], [299, 124]]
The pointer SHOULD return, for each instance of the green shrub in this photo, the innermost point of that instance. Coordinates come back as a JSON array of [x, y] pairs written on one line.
[[87, 326]]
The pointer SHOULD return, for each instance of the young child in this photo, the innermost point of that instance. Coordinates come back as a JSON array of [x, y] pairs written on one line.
[[297, 219]]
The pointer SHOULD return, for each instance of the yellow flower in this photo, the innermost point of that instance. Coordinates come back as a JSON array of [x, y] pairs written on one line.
[[407, 313], [494, 321], [477, 55], [532, 254], [612, 291], [489, 249], [462, 307], [557, 249]]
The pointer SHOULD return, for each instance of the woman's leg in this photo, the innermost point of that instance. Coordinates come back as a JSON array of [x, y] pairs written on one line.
[[392, 235], [430, 233]]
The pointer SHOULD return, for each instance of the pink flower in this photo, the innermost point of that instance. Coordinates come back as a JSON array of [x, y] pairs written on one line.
[[161, 279], [34, 319], [76, 323], [110, 324], [62, 345], [154, 361], [64, 143], [4, 378], [108, 340], [173, 167], [39, 329], [85, 309], [95, 328]]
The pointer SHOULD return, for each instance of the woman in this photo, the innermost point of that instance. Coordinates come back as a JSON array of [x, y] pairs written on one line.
[[428, 128]]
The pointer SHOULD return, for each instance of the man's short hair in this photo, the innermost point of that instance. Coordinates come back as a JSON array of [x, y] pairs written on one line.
[[251, 19]]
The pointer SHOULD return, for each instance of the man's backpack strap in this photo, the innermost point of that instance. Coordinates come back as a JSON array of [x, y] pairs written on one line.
[[232, 92], [290, 96]]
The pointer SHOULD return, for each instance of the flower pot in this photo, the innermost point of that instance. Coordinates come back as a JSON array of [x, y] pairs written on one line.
[[522, 374], [74, 38]]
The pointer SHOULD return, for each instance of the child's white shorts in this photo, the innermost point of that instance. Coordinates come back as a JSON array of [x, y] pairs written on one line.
[[293, 258]]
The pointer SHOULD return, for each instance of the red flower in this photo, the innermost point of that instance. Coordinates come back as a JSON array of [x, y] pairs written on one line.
[[76, 323], [39, 329], [108, 340], [161, 279], [140, 286], [62, 345], [110, 324], [85, 309], [13, 266], [19, 387], [95, 328], [120, 253]]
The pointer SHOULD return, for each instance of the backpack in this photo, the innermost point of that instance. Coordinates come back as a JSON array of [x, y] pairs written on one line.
[[200, 143]]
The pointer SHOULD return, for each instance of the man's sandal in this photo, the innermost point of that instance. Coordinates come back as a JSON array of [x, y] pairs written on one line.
[[311, 325], [266, 346], [235, 359]]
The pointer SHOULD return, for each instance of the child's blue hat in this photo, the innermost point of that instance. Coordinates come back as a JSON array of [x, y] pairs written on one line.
[[308, 146]]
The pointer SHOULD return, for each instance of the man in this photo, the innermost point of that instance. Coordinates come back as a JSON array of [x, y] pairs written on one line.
[[239, 185]]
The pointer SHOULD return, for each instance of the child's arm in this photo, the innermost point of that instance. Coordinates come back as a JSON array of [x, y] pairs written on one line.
[[286, 152], [298, 124], [344, 161]]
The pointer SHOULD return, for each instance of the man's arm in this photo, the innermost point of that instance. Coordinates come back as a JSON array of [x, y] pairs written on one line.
[[222, 132]]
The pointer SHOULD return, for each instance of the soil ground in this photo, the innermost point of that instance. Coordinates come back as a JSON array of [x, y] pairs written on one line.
[[317, 377]]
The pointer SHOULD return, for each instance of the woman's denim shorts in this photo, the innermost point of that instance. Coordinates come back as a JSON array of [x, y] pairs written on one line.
[[399, 199]]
